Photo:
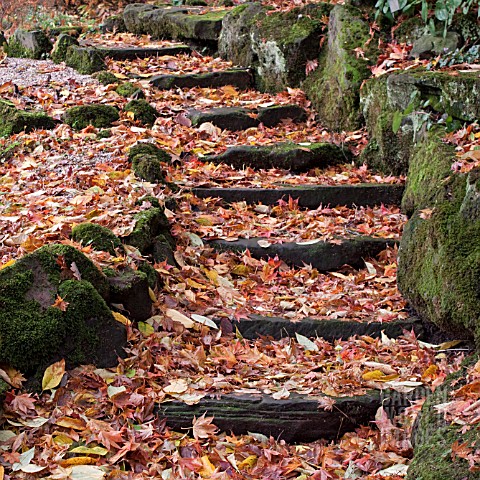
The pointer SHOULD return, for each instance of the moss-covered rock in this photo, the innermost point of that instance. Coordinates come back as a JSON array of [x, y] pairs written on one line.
[[72, 30], [25, 44], [334, 87], [34, 333], [85, 60], [100, 116], [105, 77], [148, 168], [143, 148], [126, 89], [107, 133], [14, 121], [149, 224], [133, 17], [151, 274], [97, 236], [434, 437], [142, 111], [114, 23], [439, 259], [59, 52]]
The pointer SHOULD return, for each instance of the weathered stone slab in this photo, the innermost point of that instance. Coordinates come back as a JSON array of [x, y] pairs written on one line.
[[256, 326], [125, 53], [310, 196], [85, 60], [240, 78], [234, 119], [290, 156], [296, 419], [324, 256]]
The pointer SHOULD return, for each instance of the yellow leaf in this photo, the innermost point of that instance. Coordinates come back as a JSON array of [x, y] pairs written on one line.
[[208, 469], [451, 344], [213, 276], [249, 462], [5, 265], [53, 375], [430, 371], [152, 295], [68, 422], [62, 439], [194, 284], [90, 451], [145, 328], [242, 270], [121, 318], [78, 461], [121, 75], [2, 472], [378, 376]]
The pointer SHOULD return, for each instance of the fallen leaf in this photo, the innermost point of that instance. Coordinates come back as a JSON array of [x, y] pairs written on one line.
[[203, 427], [53, 375]]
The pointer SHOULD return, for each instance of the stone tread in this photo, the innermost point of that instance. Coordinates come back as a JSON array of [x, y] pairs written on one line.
[[130, 53], [324, 256], [296, 419], [310, 196]]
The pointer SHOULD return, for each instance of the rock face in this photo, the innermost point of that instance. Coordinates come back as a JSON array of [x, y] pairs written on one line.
[[334, 86], [24, 44], [15, 121], [277, 46], [34, 333], [59, 52], [394, 106], [434, 437]]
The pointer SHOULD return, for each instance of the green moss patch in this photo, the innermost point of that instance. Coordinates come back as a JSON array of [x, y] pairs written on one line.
[[148, 149], [126, 89], [148, 168], [63, 42], [142, 111], [105, 77], [14, 121], [84, 60], [100, 116], [24, 44], [98, 237]]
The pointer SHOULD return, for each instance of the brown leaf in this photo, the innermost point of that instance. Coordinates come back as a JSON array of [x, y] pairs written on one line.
[[203, 427]]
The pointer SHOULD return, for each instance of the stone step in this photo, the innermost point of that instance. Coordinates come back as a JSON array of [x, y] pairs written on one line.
[[299, 418], [240, 78], [310, 196], [234, 119], [324, 256], [131, 53], [198, 24], [256, 326], [288, 156]]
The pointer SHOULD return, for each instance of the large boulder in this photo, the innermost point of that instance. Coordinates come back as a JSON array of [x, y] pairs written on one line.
[[53, 306], [277, 45], [396, 109], [334, 87], [24, 44], [14, 121], [439, 255]]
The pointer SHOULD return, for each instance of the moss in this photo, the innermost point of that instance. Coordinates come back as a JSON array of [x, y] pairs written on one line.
[[429, 166], [439, 264], [148, 149], [98, 237], [59, 52], [105, 77], [148, 225], [24, 44], [126, 89], [434, 437], [107, 133], [142, 111], [72, 30], [148, 198], [84, 60], [205, 27], [148, 168], [151, 274], [15, 121], [100, 116]]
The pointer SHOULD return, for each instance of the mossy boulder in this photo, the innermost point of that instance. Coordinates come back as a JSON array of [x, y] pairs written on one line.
[[34, 333], [105, 77], [85, 60], [96, 236], [100, 116], [114, 23], [434, 437], [144, 148], [334, 87], [277, 45], [148, 168], [394, 109], [14, 121], [439, 256], [126, 89], [142, 111], [24, 44], [151, 274], [149, 224], [133, 17], [60, 47]]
